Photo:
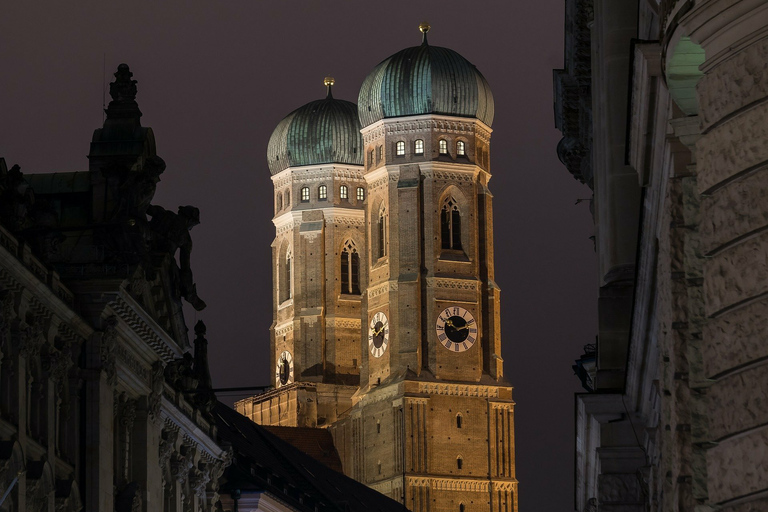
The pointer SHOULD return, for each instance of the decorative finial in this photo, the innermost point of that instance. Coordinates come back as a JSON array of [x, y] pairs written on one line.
[[123, 89], [328, 82], [424, 28]]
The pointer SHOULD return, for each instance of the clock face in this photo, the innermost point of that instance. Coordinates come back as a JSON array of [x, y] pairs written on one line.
[[456, 329], [284, 370], [378, 334]]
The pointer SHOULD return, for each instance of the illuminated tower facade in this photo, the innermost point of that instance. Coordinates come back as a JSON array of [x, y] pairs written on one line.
[[433, 419], [386, 312], [319, 264]]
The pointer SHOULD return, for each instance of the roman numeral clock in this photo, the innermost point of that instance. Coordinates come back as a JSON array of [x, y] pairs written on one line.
[[456, 329]]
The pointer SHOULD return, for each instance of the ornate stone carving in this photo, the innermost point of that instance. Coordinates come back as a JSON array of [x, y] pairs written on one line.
[[107, 349], [382, 288], [168, 438], [140, 327], [452, 284], [199, 478], [122, 353], [155, 397], [123, 89], [435, 388]]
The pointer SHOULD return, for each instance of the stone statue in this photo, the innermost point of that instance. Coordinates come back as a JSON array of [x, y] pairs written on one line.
[[123, 89], [16, 199], [170, 232]]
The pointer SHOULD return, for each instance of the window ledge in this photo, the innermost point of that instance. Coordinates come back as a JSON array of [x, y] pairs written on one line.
[[453, 255], [285, 304], [384, 260], [351, 297]]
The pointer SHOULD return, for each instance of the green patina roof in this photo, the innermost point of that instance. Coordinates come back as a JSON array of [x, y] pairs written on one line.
[[321, 132], [425, 80]]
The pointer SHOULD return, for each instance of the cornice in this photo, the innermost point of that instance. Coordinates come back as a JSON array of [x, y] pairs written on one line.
[[435, 122], [448, 484], [453, 284], [463, 390], [380, 289], [140, 328], [310, 173]]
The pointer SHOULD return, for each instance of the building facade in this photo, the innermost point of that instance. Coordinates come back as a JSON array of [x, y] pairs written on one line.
[[386, 324], [662, 109], [105, 405]]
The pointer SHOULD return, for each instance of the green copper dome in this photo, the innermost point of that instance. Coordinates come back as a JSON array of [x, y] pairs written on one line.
[[425, 80], [321, 132]]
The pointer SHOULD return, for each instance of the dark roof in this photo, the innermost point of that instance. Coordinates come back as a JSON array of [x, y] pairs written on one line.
[[264, 462], [320, 132], [315, 442], [425, 80]]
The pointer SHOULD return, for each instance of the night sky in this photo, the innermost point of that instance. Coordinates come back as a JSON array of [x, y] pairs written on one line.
[[215, 78]]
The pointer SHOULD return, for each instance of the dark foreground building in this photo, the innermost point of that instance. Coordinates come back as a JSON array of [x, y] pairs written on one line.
[[662, 106], [105, 403]]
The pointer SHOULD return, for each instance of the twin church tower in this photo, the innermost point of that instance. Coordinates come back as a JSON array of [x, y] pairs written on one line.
[[386, 313]]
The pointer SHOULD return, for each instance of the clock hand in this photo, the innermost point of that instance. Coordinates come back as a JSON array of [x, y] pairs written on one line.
[[449, 323]]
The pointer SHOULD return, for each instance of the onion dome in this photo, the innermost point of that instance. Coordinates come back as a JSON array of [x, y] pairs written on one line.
[[321, 132], [425, 80]]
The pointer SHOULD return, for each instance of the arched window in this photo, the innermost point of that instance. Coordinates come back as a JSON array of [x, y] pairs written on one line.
[[379, 153], [360, 194], [450, 225], [378, 427], [288, 198], [419, 147], [344, 192], [285, 279], [460, 149], [443, 147], [400, 148], [370, 158], [322, 192], [459, 462], [459, 420], [461, 507], [350, 269], [279, 205], [304, 194], [382, 233]]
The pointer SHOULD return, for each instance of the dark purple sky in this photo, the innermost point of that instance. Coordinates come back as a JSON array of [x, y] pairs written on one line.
[[214, 80]]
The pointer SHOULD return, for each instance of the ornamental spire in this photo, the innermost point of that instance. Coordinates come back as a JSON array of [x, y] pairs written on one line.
[[424, 28], [328, 82]]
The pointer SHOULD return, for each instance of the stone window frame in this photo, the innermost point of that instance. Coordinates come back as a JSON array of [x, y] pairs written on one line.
[[461, 148], [347, 256], [443, 146], [343, 192], [418, 147], [304, 194], [400, 148], [322, 192], [285, 273]]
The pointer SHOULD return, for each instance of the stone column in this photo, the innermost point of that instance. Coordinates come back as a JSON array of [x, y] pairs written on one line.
[[732, 166], [99, 375]]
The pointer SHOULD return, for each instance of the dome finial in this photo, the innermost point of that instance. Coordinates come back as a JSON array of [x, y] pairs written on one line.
[[424, 28], [328, 82]]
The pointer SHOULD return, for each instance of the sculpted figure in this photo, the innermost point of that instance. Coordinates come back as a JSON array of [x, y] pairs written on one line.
[[171, 233], [16, 199]]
